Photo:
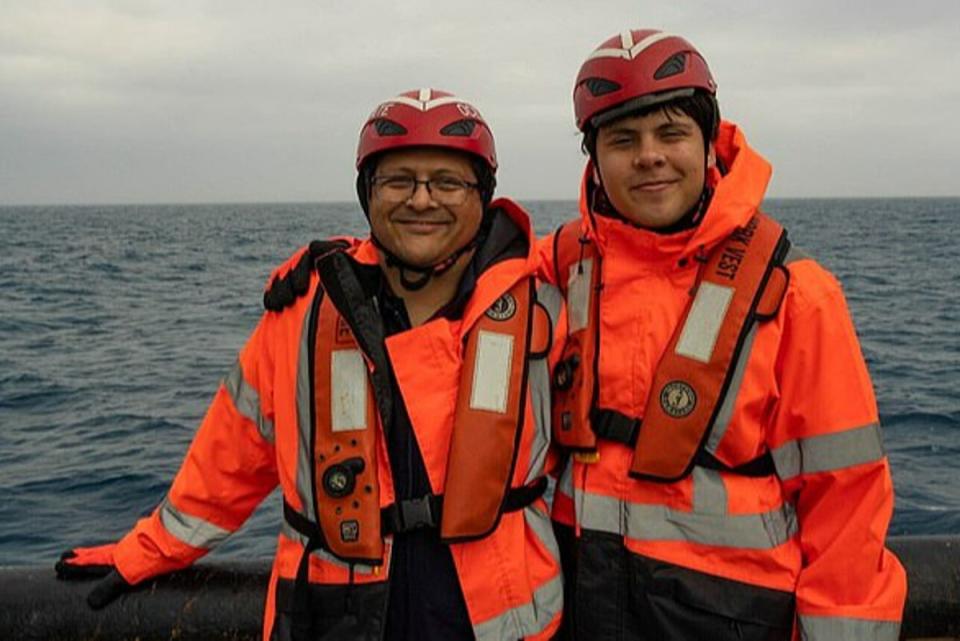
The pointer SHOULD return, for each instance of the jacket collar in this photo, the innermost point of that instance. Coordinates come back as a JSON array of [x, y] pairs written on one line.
[[507, 255], [737, 195]]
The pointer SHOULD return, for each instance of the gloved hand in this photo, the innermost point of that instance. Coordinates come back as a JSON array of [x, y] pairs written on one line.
[[92, 563]]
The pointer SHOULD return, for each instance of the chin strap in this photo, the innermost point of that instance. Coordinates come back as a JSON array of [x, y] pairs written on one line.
[[600, 203], [423, 274]]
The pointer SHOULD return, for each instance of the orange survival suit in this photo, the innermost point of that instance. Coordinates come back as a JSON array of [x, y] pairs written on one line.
[[776, 528], [303, 407]]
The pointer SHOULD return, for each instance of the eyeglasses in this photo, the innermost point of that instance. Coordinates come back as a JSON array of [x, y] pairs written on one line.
[[445, 190]]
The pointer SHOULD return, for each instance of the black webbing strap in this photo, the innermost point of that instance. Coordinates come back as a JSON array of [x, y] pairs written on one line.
[[301, 622], [427, 511], [412, 514], [614, 426], [760, 466], [404, 516]]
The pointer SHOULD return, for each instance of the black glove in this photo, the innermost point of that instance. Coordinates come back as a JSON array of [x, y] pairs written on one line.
[[107, 589], [93, 563]]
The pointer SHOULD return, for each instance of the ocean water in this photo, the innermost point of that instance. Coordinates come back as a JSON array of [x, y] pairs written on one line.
[[117, 323]]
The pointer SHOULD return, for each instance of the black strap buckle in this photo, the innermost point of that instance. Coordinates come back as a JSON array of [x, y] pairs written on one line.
[[427, 511], [417, 513], [412, 514]]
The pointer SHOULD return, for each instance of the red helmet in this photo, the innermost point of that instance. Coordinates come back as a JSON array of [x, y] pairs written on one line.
[[636, 69], [427, 117]]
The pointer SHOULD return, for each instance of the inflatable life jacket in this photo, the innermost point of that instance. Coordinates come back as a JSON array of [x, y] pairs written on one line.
[[351, 387], [742, 282], [350, 382]]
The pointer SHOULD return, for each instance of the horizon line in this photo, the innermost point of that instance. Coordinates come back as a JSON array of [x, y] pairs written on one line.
[[187, 203]]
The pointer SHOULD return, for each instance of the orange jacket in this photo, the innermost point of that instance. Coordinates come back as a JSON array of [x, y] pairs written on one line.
[[816, 529], [257, 432]]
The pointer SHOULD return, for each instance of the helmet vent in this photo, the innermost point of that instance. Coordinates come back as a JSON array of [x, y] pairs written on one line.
[[674, 65], [600, 86], [389, 128], [459, 128]]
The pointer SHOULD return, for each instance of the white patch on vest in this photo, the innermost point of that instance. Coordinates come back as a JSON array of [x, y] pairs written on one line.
[[703, 324], [348, 391], [491, 372], [578, 294]]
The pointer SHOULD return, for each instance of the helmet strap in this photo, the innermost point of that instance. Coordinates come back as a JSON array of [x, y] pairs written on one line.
[[600, 203], [423, 274]]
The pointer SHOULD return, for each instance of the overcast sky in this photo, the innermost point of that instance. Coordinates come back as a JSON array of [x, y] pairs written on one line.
[[129, 101]]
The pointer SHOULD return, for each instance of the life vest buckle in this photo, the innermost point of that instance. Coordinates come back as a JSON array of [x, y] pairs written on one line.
[[417, 513]]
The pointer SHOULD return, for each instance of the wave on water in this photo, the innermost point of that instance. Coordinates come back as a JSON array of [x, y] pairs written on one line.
[[119, 322]]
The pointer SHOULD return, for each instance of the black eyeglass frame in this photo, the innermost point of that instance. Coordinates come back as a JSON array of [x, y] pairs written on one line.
[[429, 183]]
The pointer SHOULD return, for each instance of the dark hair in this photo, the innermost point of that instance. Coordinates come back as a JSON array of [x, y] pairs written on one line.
[[702, 107], [486, 179]]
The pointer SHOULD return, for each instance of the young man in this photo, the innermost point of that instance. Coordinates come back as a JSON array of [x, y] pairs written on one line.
[[397, 389], [727, 478]]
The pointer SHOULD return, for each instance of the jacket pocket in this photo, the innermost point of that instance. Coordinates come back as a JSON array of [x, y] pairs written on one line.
[[678, 603]]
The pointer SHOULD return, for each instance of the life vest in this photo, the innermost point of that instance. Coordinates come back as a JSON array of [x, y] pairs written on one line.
[[742, 282], [351, 395]]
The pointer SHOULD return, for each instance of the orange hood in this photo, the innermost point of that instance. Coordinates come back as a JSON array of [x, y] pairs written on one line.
[[737, 195]]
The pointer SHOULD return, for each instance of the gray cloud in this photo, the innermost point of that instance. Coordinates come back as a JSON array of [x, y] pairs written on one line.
[[110, 101]]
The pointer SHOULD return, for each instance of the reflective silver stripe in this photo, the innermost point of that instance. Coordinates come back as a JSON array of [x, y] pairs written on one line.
[[709, 492], [550, 298], [565, 485], [794, 254], [531, 618], [348, 391], [543, 528], [580, 504], [646, 522], [699, 334], [491, 372], [304, 472], [829, 452], [550, 491], [578, 294], [726, 410], [820, 628], [191, 530], [527, 619], [247, 401], [322, 554], [538, 384]]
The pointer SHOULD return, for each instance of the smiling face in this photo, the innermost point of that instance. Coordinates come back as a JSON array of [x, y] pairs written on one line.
[[419, 230], [652, 166]]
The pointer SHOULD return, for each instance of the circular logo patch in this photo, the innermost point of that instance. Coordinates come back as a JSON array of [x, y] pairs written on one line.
[[503, 308], [678, 399]]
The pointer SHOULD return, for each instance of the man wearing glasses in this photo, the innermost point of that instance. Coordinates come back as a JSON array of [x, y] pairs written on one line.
[[397, 389]]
